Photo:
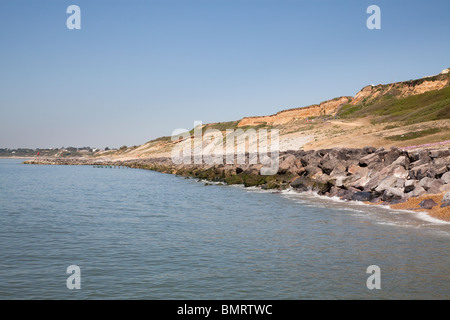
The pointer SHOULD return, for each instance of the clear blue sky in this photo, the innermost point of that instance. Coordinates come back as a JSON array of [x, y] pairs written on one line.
[[140, 69]]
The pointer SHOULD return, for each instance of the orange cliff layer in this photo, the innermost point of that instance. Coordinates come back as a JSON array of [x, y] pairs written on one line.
[[325, 108]]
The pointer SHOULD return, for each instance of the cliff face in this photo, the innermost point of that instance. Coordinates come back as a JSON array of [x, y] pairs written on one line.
[[401, 89], [365, 95], [328, 107]]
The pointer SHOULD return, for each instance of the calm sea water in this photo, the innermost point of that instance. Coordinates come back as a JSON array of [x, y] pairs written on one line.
[[139, 234]]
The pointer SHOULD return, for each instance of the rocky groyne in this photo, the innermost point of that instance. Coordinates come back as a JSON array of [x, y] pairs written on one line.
[[368, 174]]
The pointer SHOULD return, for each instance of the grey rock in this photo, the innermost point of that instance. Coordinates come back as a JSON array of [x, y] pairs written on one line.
[[362, 196], [446, 197], [445, 188], [394, 192], [369, 159], [391, 156], [329, 165], [390, 182], [419, 171], [402, 161], [427, 204], [439, 153], [429, 183], [418, 191], [409, 188], [446, 177], [303, 183]]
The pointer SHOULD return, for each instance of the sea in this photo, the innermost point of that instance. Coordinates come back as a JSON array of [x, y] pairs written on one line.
[[80, 232]]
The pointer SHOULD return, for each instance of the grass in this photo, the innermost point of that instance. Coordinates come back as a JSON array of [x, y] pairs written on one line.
[[429, 106], [414, 134]]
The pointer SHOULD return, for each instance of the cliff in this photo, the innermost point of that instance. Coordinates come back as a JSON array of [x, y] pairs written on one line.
[[328, 107], [366, 95]]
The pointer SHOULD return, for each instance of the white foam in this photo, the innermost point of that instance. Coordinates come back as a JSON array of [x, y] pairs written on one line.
[[426, 217]]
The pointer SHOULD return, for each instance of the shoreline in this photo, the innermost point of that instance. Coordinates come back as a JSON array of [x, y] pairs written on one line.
[[400, 179]]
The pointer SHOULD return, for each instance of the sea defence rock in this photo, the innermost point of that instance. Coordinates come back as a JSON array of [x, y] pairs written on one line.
[[365, 174]]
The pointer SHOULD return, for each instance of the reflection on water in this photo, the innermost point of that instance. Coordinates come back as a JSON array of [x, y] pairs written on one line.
[[143, 235]]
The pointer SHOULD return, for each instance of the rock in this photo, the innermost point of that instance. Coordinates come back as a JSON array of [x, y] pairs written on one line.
[[445, 188], [446, 177], [369, 160], [410, 185], [369, 150], [446, 197], [347, 194], [392, 193], [329, 165], [413, 156], [391, 156], [431, 185], [402, 161], [303, 183], [289, 164], [418, 191], [253, 169], [338, 170], [312, 171], [390, 182], [428, 204], [419, 172], [439, 153], [375, 200], [440, 165], [362, 196], [445, 205], [424, 155], [334, 191]]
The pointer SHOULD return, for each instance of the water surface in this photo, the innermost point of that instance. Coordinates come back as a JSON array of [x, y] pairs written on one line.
[[139, 234]]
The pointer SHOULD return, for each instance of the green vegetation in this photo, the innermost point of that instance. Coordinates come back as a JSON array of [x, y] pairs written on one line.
[[414, 134], [347, 110], [391, 126], [432, 105]]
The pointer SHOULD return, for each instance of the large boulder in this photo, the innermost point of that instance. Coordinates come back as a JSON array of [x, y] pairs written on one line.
[[445, 188], [390, 182], [410, 185], [369, 160], [427, 204], [446, 177], [391, 156], [439, 153], [303, 183], [289, 164], [402, 161], [312, 171], [419, 172], [438, 168], [392, 193], [362, 196], [329, 165], [432, 186], [446, 197], [418, 191]]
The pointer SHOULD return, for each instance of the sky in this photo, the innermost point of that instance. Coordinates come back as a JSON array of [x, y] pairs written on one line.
[[138, 70]]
